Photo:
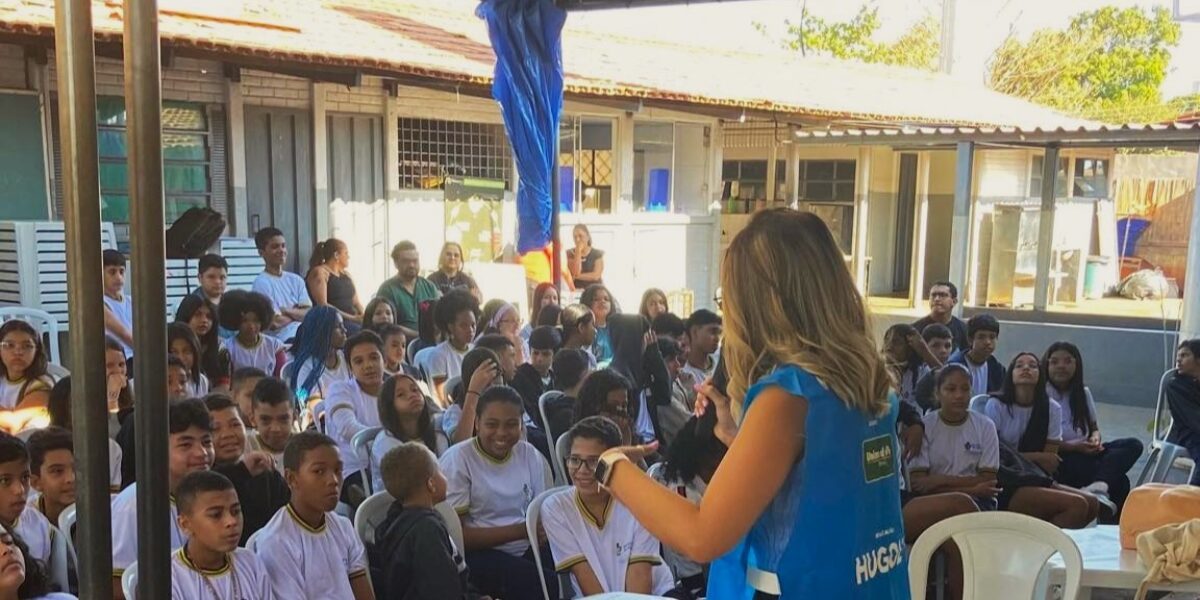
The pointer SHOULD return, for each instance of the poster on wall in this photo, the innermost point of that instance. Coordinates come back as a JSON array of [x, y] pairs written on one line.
[[473, 210]]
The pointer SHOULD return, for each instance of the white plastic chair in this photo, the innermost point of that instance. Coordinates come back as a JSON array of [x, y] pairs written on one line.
[[370, 515], [25, 434], [533, 517], [978, 403], [66, 519], [42, 321], [361, 442], [252, 542], [453, 525], [543, 400], [62, 556], [1164, 456], [318, 415], [1002, 553], [129, 582], [562, 449]]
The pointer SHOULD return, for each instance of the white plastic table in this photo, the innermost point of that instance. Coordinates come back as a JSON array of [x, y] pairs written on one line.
[[1107, 565]]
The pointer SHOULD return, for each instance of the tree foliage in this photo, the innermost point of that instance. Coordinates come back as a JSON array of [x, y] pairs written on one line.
[[918, 47]]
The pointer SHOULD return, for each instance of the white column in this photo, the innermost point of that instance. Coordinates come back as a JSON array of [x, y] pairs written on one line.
[[1189, 326], [862, 191], [237, 159], [624, 199], [960, 228], [793, 175], [1045, 249], [772, 176], [920, 230], [320, 139]]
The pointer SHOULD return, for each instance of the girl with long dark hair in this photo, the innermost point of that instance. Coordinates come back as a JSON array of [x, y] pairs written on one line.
[[201, 316], [24, 384], [543, 296], [600, 300], [379, 312], [183, 344], [406, 416]]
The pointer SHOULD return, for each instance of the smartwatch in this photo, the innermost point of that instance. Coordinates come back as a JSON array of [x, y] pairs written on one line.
[[604, 467]]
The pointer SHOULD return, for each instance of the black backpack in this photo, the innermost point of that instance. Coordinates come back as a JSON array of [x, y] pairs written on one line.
[[196, 230]]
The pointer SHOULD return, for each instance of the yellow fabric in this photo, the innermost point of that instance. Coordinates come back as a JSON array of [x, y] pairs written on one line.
[[1153, 505], [1171, 554]]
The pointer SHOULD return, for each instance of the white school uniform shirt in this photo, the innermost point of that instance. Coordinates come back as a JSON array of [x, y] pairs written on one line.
[[1011, 421], [576, 536], [441, 360], [124, 529], [963, 449], [115, 456], [350, 410], [285, 291], [979, 377], [34, 528], [261, 355], [242, 578], [386, 441], [490, 492], [253, 442], [10, 391], [198, 389], [123, 310], [311, 563], [1069, 432], [324, 382], [698, 373]]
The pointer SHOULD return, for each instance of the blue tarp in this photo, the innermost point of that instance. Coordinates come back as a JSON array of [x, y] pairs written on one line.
[[527, 38]]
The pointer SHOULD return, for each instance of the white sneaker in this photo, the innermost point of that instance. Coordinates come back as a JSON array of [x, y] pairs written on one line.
[[1097, 487]]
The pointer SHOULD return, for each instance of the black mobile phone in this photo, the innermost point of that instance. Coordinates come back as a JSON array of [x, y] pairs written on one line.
[[720, 378]]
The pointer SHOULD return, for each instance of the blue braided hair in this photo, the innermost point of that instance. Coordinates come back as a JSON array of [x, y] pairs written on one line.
[[312, 345]]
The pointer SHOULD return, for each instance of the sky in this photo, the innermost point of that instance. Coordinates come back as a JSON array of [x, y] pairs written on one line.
[[982, 25]]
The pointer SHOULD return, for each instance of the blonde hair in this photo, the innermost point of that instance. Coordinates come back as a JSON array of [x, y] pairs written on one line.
[[789, 299]]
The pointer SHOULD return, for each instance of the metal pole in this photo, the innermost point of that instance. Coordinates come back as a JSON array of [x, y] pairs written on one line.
[[1045, 250], [75, 56], [960, 228], [555, 208], [143, 91]]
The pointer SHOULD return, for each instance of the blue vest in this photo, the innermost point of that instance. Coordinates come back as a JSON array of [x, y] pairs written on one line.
[[834, 530]]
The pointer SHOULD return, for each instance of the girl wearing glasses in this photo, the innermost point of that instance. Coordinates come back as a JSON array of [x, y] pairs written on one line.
[[24, 387]]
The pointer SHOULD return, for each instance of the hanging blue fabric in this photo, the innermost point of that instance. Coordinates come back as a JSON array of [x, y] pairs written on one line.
[[527, 39]]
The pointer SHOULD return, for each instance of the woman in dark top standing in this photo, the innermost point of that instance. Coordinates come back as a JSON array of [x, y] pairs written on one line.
[[330, 285], [450, 275], [585, 262]]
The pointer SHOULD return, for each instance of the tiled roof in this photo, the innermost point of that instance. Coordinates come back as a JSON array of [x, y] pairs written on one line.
[[1173, 133], [443, 40]]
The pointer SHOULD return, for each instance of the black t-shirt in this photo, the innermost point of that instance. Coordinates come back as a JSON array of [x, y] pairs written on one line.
[[588, 263], [261, 495], [445, 283], [958, 330]]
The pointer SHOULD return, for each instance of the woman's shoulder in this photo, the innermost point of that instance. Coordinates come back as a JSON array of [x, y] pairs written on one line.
[[595, 253], [793, 378]]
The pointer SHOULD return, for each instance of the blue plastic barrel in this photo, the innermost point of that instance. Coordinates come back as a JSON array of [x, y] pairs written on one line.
[[1129, 231], [658, 197]]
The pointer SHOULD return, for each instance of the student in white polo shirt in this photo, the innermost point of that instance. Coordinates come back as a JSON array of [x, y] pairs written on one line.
[[353, 405], [248, 314], [593, 537], [15, 514], [287, 290], [311, 552], [492, 479], [210, 564]]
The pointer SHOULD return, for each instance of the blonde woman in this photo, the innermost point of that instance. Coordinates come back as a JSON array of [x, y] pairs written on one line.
[[450, 274], [806, 504]]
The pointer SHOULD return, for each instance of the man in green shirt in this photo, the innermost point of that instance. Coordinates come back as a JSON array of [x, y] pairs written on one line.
[[407, 290]]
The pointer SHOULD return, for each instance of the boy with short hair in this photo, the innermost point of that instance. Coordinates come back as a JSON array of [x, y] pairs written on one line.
[[210, 564], [177, 378], [118, 306], [987, 374], [212, 273], [415, 556], [943, 296], [51, 471], [286, 290], [241, 387], [505, 349], [258, 484], [534, 377], [704, 339], [594, 537], [670, 325], [311, 552], [940, 341], [273, 417], [29, 525], [570, 369], [190, 449]]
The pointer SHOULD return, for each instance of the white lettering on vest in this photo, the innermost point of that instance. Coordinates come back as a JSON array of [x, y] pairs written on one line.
[[878, 561]]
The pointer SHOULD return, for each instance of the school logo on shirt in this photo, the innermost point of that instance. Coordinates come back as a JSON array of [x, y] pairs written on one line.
[[973, 448], [878, 460], [624, 549]]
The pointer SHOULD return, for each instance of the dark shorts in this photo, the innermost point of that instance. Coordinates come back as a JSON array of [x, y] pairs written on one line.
[[982, 504]]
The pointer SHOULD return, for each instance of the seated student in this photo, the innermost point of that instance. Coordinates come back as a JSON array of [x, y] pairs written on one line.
[[183, 344], [907, 359], [200, 316], [274, 416], [353, 406], [60, 417], [1029, 422], [692, 460], [593, 537], [544, 295], [1088, 463], [579, 331], [15, 515], [671, 326], [51, 471], [241, 387], [379, 312], [987, 374], [570, 370], [286, 291], [505, 350], [317, 362], [246, 313], [261, 488], [127, 436], [395, 351], [119, 392], [943, 295], [190, 449], [21, 575], [24, 385], [118, 306], [427, 336], [704, 339], [212, 273], [454, 315], [481, 370], [492, 479], [414, 557], [406, 416], [177, 378], [311, 552], [940, 342], [534, 378], [210, 564], [501, 318], [1183, 398], [605, 393], [672, 417]]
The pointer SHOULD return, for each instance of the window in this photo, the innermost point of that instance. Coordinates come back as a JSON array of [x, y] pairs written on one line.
[[744, 182], [186, 145], [1091, 178], [1035, 177], [653, 154], [431, 149], [827, 190], [586, 164]]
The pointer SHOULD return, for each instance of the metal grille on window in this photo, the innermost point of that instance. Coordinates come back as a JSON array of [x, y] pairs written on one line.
[[431, 149]]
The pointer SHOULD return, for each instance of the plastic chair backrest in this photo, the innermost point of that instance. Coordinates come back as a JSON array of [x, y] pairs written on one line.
[[562, 449], [129, 582], [57, 372], [453, 525], [318, 415], [979, 403], [543, 400], [25, 434], [370, 515], [42, 321], [361, 442], [59, 564], [1002, 552], [533, 517], [252, 542], [1159, 432], [66, 519]]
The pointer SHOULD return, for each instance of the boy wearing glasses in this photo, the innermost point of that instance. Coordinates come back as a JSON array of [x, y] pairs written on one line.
[[592, 536], [943, 296]]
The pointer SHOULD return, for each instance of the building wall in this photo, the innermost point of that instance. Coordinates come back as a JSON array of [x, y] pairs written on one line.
[[12, 67]]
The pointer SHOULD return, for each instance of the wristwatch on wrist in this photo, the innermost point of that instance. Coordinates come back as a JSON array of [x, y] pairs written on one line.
[[604, 468]]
